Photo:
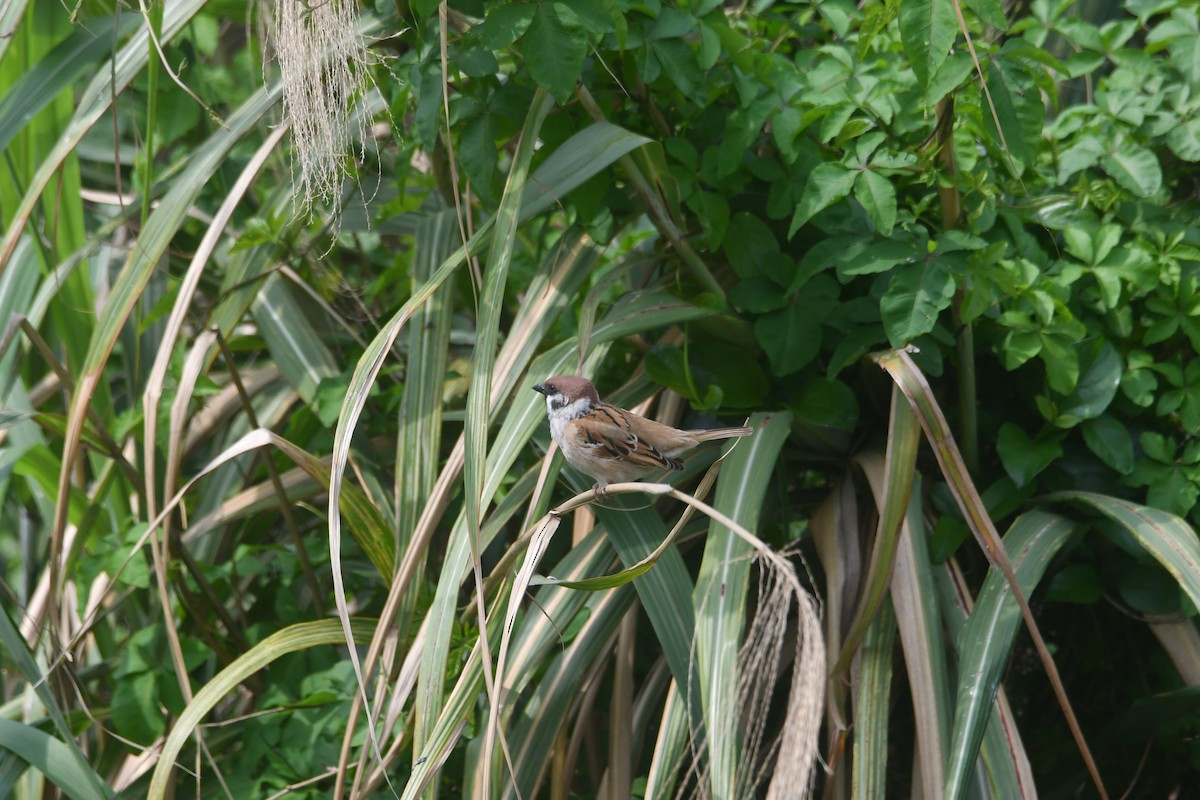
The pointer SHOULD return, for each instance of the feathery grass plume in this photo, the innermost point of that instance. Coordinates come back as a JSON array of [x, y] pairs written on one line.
[[323, 64]]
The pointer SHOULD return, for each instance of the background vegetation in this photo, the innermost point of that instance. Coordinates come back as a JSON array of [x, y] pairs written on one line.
[[270, 328]]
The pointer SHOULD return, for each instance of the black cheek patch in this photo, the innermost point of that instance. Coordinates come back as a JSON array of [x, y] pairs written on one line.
[[558, 401]]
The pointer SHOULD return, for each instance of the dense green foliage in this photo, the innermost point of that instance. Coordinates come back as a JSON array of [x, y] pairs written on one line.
[[738, 202]]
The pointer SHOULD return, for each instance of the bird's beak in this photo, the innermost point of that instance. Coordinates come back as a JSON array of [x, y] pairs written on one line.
[[540, 389]]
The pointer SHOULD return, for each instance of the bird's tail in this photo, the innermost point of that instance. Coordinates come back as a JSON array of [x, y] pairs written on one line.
[[719, 433]]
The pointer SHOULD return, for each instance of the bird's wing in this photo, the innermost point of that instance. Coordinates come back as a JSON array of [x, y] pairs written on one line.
[[607, 430]]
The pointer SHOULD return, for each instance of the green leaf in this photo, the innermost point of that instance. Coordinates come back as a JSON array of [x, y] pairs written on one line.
[[1110, 441], [505, 23], [828, 403], [791, 336], [857, 259], [1061, 359], [679, 62], [878, 198], [1099, 377], [1018, 109], [1134, 167], [1077, 583], [477, 153], [913, 300], [927, 31], [1183, 139], [1149, 589], [758, 295], [555, 46], [748, 242], [827, 183], [135, 712], [1023, 458], [990, 11]]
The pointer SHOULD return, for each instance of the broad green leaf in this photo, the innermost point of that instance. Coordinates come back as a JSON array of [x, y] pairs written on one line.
[[878, 198], [1184, 139], [1134, 167], [990, 11], [1078, 583], [135, 708], [792, 335], [915, 297], [927, 30], [1018, 109], [829, 403], [748, 242], [1110, 441], [505, 23], [826, 184], [1024, 458], [555, 46], [875, 257], [1099, 377]]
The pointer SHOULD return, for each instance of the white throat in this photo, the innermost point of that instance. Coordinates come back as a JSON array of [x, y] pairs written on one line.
[[559, 417]]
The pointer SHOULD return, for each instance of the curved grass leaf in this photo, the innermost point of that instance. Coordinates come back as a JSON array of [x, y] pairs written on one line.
[[78, 774], [53, 759], [291, 639], [1165, 536], [985, 641]]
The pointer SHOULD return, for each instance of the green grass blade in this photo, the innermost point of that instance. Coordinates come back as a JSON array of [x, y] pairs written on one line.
[[918, 616], [19, 655], [871, 712], [294, 638], [904, 435], [10, 18], [58, 70], [720, 596], [985, 641], [111, 80], [53, 759], [479, 394], [294, 343], [569, 166], [1165, 536]]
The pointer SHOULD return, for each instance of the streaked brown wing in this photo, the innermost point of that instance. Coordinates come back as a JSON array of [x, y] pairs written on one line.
[[608, 431]]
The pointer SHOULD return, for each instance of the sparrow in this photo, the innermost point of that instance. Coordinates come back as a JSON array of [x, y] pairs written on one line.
[[609, 443]]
